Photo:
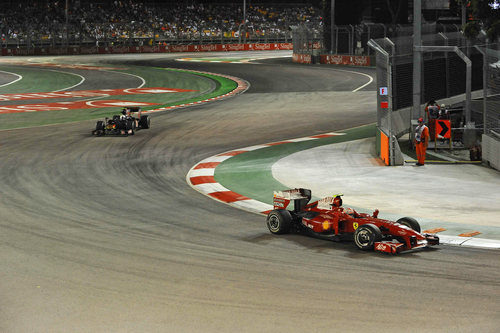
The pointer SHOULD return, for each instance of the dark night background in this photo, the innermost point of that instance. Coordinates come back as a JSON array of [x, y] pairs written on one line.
[[347, 11]]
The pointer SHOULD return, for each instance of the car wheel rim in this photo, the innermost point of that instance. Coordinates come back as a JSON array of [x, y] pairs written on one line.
[[363, 238], [274, 222]]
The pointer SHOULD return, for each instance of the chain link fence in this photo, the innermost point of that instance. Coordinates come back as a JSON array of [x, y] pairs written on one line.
[[490, 104], [353, 39], [307, 40], [445, 60]]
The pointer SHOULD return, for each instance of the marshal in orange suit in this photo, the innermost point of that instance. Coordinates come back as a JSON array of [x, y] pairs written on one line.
[[421, 141]]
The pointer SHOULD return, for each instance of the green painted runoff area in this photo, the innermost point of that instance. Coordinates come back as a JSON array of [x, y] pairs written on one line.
[[205, 85], [249, 174], [222, 59], [38, 80]]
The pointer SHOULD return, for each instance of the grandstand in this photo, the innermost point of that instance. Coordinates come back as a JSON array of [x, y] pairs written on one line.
[[165, 21]]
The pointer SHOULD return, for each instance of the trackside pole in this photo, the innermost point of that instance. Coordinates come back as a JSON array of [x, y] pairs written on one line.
[[392, 152], [417, 59]]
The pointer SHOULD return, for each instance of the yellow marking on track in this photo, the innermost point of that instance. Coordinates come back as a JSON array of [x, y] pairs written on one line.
[[470, 234], [433, 231]]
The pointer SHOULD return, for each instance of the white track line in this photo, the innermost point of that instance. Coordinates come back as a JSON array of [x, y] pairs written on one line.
[[19, 77], [137, 76], [114, 72], [75, 85], [359, 73]]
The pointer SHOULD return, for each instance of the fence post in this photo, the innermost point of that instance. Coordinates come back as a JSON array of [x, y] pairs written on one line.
[[351, 39], [447, 71], [485, 88], [468, 86], [369, 36], [332, 25], [385, 29], [382, 83], [417, 59], [336, 40], [392, 153]]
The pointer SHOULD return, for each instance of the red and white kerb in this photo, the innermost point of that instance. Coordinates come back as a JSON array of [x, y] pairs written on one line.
[[202, 177]]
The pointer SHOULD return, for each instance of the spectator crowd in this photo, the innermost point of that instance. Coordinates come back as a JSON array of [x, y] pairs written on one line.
[[124, 19]]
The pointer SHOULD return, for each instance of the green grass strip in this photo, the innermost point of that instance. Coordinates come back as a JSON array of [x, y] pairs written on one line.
[[223, 86], [220, 59], [250, 173], [38, 80]]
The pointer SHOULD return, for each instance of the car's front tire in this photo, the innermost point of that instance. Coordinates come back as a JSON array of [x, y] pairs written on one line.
[[410, 222], [144, 122], [99, 128], [366, 236], [279, 221]]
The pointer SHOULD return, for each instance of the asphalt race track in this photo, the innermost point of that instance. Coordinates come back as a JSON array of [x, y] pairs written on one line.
[[105, 235]]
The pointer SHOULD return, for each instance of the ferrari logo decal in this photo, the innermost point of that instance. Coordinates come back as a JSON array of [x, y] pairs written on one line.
[[355, 225]]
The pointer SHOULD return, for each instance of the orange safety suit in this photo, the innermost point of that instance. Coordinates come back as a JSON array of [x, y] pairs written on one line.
[[421, 142]]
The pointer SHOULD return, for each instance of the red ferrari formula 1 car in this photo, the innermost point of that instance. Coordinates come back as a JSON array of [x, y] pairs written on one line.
[[327, 218]]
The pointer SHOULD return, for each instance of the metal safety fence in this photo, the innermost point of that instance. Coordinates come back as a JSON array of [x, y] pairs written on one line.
[[307, 40], [353, 39], [345, 40], [490, 103], [454, 71]]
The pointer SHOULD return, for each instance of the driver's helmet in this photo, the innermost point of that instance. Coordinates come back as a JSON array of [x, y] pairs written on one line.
[[124, 111], [337, 201]]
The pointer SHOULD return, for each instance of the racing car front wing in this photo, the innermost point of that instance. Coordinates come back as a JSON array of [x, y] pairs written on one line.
[[396, 247]]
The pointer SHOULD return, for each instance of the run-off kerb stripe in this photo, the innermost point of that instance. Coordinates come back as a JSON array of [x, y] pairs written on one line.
[[241, 87], [201, 176]]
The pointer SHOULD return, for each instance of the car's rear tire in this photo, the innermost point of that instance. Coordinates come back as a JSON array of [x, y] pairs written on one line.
[[99, 125], [366, 236], [410, 222], [279, 221], [145, 122], [99, 128]]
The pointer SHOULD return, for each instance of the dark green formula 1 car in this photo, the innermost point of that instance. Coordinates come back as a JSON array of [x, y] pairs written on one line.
[[124, 124]]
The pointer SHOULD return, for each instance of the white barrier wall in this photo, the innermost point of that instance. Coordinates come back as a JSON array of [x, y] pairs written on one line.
[[491, 151]]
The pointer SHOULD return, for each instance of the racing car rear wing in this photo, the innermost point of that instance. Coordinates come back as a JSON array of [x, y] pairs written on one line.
[[300, 197]]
